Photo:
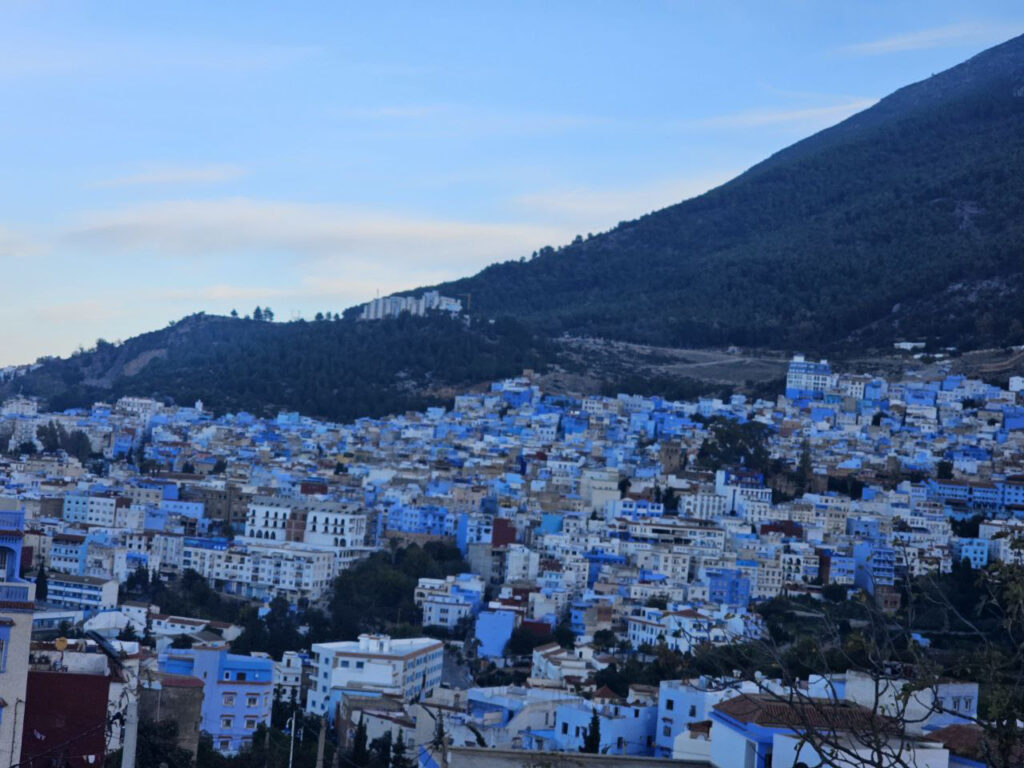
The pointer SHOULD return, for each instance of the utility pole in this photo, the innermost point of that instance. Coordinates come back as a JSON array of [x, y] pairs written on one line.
[[291, 745], [131, 732], [321, 743]]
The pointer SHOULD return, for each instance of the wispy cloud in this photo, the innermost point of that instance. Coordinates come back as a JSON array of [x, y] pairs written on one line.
[[15, 245], [802, 117], [207, 174], [595, 209], [965, 33], [199, 228], [467, 120], [393, 112], [120, 56]]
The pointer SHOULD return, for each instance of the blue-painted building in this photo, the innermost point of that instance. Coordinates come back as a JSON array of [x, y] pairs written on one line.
[[494, 630], [237, 691], [626, 728], [875, 566], [728, 586], [806, 380]]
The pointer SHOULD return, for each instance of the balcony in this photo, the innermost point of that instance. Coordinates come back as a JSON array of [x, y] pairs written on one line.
[[10, 593], [12, 521]]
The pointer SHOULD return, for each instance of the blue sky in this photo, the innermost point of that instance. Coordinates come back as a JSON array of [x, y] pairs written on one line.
[[159, 159]]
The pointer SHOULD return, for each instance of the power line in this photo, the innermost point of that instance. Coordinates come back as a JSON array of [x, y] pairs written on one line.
[[60, 747]]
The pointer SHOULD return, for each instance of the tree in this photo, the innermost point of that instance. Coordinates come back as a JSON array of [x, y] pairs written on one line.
[[42, 584], [624, 485], [359, 755], [974, 622], [268, 314], [944, 470], [219, 467], [671, 501], [399, 753], [78, 445], [835, 593], [382, 747], [592, 735], [605, 639], [49, 436], [805, 469], [730, 443], [234, 313], [157, 743], [257, 314], [564, 635]]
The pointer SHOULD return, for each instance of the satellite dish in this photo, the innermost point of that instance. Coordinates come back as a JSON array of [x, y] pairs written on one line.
[[61, 643]]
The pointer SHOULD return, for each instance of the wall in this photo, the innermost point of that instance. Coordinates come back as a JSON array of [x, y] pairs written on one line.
[[469, 757], [61, 707]]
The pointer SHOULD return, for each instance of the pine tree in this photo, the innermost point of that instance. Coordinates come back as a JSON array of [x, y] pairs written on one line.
[[360, 755], [592, 736], [382, 746], [42, 584], [805, 469], [399, 753]]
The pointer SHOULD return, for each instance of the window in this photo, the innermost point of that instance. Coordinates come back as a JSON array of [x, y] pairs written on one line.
[[240, 676], [565, 729], [666, 730], [229, 699], [252, 700], [693, 710], [636, 713], [670, 704], [225, 745], [344, 664], [250, 723], [227, 722], [360, 664]]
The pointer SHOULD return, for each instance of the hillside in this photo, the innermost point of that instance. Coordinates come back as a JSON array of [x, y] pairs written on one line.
[[906, 220], [336, 370]]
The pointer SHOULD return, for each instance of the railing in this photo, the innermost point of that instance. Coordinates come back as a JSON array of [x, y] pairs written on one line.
[[13, 594], [12, 521]]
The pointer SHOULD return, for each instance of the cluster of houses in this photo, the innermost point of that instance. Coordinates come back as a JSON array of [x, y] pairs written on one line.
[[592, 513]]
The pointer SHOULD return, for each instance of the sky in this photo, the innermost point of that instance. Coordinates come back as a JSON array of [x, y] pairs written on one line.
[[160, 159]]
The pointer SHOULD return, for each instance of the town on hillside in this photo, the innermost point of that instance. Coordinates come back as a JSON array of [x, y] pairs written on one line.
[[721, 582]]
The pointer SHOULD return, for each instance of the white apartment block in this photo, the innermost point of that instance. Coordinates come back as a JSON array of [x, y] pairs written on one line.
[[404, 667]]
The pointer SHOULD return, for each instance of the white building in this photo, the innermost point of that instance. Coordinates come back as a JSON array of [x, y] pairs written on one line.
[[405, 667], [86, 593]]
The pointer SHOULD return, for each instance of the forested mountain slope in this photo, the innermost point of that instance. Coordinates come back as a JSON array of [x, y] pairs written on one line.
[[904, 220]]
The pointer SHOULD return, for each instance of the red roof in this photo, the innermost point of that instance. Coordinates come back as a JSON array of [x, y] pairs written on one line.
[[797, 712], [604, 693]]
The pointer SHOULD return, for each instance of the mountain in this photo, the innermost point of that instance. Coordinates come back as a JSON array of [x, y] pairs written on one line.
[[906, 220], [337, 370]]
